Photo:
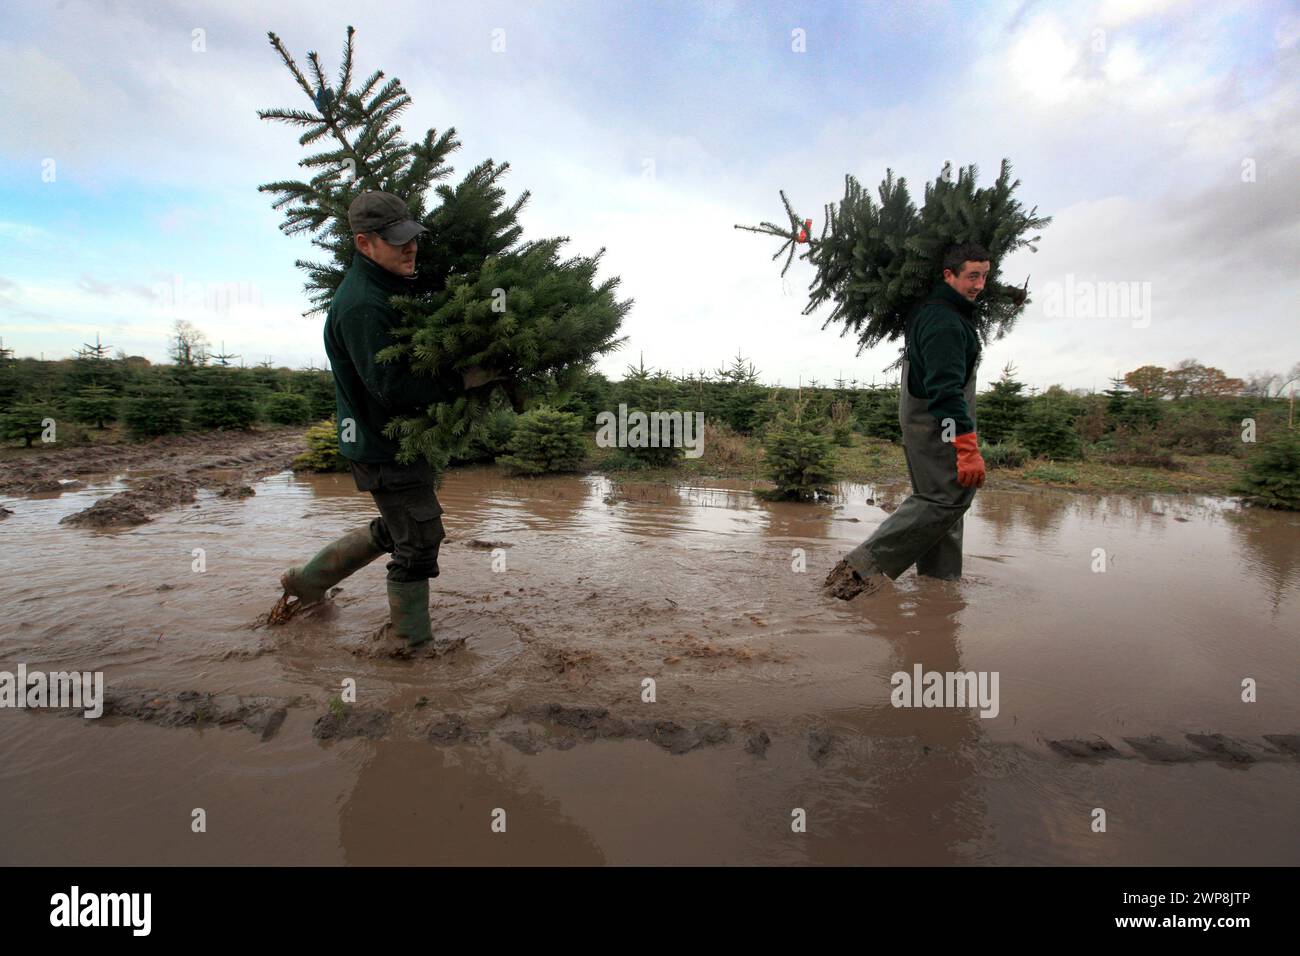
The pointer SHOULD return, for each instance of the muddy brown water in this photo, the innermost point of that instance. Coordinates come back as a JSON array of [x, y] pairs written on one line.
[[771, 699]]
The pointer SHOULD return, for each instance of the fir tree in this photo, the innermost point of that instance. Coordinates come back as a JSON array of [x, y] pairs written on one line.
[[880, 414], [322, 452], [1272, 476], [587, 396], [798, 456], [224, 399], [645, 390], [94, 404], [1117, 404], [481, 298], [319, 388], [223, 358], [97, 352], [1145, 412], [742, 397], [876, 261], [545, 441], [1125, 409], [842, 422], [92, 367], [154, 410], [498, 429], [287, 408], [1001, 409], [1007, 454], [1048, 430], [25, 421]]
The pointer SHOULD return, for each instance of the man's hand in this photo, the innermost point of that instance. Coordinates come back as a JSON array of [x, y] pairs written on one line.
[[970, 464], [476, 377]]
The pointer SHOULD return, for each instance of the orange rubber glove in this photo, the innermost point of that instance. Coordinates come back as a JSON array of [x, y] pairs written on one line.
[[970, 466]]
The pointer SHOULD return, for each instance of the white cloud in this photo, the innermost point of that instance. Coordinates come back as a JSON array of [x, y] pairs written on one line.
[[21, 233], [1122, 12], [56, 318], [1123, 63], [1043, 61], [1123, 147]]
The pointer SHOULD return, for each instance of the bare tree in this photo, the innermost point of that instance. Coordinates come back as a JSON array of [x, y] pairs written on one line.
[[189, 346], [1292, 378], [1260, 384]]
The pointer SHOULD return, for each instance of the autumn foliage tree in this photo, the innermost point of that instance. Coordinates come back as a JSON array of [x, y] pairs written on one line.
[[1148, 381], [1190, 379]]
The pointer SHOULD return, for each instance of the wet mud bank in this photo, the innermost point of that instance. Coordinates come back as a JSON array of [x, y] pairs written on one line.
[[163, 474]]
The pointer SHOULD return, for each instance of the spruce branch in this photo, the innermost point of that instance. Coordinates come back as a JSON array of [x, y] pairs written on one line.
[[878, 257], [800, 231]]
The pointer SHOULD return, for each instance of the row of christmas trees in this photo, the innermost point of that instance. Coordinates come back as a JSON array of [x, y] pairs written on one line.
[[196, 390]]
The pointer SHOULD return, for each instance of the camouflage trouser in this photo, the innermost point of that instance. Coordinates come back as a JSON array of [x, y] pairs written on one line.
[[926, 529], [409, 526]]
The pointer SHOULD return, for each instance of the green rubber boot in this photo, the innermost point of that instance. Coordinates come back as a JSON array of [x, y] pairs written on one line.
[[408, 611], [332, 564]]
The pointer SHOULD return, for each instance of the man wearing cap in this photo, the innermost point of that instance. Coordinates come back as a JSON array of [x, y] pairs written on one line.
[[368, 393]]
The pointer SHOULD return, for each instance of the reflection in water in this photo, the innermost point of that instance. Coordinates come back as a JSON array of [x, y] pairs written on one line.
[[697, 588], [1269, 544], [1005, 513], [918, 766]]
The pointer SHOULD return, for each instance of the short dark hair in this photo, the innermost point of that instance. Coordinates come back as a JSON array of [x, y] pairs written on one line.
[[955, 256]]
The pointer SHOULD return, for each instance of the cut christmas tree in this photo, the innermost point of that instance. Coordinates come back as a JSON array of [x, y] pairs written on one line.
[[481, 298], [876, 262]]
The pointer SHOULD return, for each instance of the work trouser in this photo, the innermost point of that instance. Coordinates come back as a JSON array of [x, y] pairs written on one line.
[[926, 529], [409, 526]]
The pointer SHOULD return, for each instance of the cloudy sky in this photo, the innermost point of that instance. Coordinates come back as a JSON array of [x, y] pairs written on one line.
[[1162, 137]]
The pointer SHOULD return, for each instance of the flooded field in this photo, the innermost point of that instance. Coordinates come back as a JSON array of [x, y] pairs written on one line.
[[771, 702]]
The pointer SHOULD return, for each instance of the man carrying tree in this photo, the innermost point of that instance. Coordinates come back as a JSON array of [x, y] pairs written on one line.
[[936, 410], [359, 324], [892, 272]]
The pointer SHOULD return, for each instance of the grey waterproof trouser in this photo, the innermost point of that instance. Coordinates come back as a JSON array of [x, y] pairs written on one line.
[[926, 528]]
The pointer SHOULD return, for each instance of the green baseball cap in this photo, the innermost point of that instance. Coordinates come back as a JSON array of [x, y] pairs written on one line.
[[385, 214]]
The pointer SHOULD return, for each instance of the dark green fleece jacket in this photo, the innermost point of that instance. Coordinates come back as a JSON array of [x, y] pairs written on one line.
[[942, 351], [360, 323]]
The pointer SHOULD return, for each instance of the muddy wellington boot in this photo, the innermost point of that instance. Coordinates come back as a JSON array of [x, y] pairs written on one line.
[[408, 612], [334, 562], [847, 582]]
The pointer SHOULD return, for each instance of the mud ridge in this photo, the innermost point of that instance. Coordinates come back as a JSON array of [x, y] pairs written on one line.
[[261, 715], [556, 726], [1155, 749]]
